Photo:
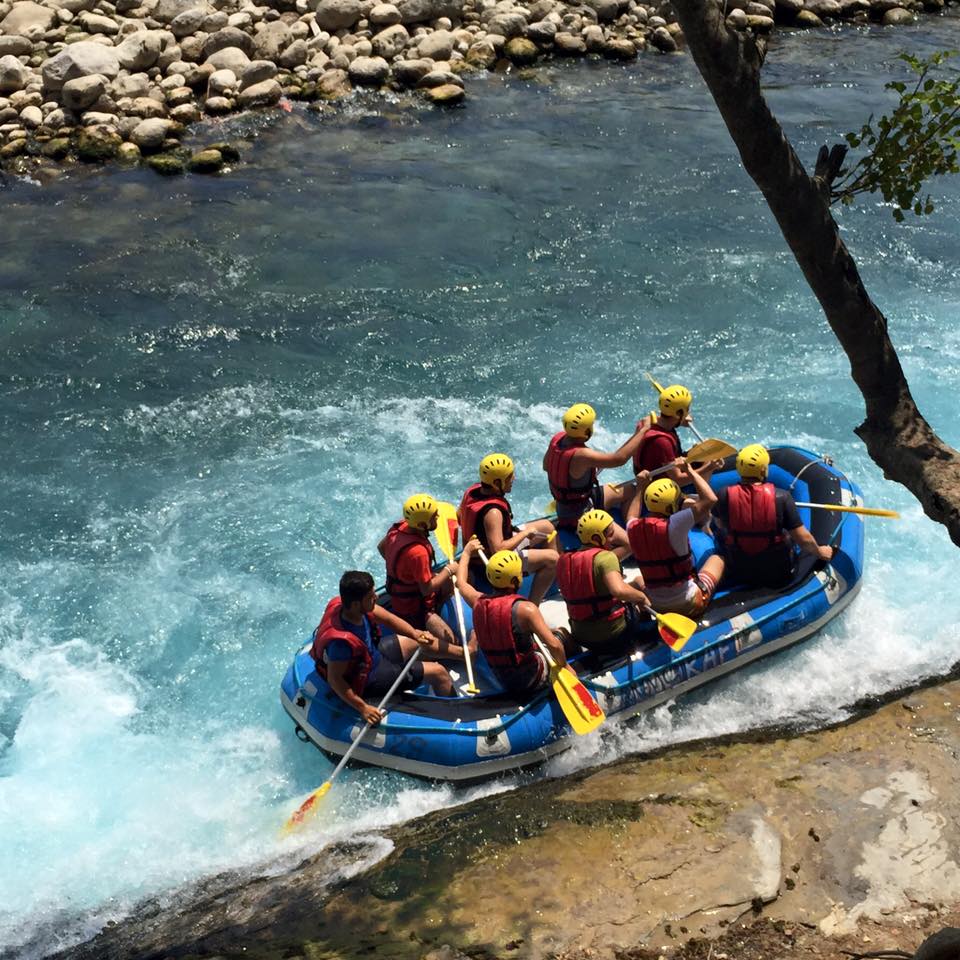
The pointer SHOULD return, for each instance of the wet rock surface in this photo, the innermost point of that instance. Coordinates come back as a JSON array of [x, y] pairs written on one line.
[[789, 845]]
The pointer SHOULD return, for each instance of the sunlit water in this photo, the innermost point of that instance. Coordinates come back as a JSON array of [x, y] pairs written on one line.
[[217, 393]]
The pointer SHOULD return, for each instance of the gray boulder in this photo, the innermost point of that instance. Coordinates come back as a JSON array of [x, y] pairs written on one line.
[[222, 83], [439, 78], [384, 15], [230, 58], [542, 32], [437, 45], [97, 23], [15, 46], [166, 11], [409, 73], [422, 11], [264, 94], [149, 134], [897, 16], [79, 59], [135, 85], [338, 14], [824, 8], [388, 43], [569, 45], [663, 40], [27, 17], [369, 71], [606, 10], [82, 93], [257, 72], [187, 23], [228, 37], [140, 50], [294, 55], [507, 24], [270, 40], [13, 74]]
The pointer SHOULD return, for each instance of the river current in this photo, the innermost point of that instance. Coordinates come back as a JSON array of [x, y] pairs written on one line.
[[216, 393]]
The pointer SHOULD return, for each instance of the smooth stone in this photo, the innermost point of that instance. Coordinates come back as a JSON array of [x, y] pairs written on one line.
[[824, 8], [264, 94], [294, 56], [14, 75], [337, 14], [369, 71], [166, 164], [897, 16], [185, 113], [150, 134], [147, 107], [205, 161], [737, 19], [334, 85], [663, 40], [31, 117], [446, 95], [425, 11], [807, 18], [178, 96], [227, 38], [569, 45], [256, 72], [482, 54], [221, 82], [594, 39], [25, 17], [521, 51], [384, 15], [542, 32], [437, 45], [390, 42], [439, 78], [788, 9], [15, 46], [217, 105], [128, 153], [57, 148], [83, 92], [619, 49], [187, 23], [166, 11], [230, 58], [759, 24], [98, 143], [79, 60], [228, 151], [134, 85], [408, 73], [507, 24], [606, 10], [96, 23]]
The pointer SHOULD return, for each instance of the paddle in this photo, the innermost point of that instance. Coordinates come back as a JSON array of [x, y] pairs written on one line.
[[707, 450], [866, 511], [674, 628], [446, 534], [690, 426], [583, 713], [309, 806]]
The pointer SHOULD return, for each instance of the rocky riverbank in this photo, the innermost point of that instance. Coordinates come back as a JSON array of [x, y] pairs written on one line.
[[123, 80], [807, 845]]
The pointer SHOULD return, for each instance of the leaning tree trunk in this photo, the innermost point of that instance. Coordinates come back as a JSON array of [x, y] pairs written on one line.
[[897, 436]]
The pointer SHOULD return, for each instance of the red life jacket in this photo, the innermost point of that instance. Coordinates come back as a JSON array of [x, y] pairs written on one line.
[[659, 563], [655, 431], [473, 509], [558, 472], [331, 628], [493, 621], [753, 526], [575, 578], [405, 597]]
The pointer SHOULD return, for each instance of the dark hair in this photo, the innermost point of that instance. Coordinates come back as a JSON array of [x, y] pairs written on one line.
[[354, 586]]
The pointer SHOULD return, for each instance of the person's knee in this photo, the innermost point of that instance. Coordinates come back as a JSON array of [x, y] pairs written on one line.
[[437, 676]]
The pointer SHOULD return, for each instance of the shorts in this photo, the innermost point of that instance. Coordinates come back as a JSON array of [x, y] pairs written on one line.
[[388, 669], [704, 587], [690, 598], [531, 676], [567, 517]]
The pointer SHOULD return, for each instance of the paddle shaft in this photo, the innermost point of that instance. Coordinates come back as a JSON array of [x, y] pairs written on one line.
[[656, 386], [458, 606], [867, 511], [380, 706]]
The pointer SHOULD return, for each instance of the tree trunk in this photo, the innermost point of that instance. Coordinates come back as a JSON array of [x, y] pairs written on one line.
[[897, 436]]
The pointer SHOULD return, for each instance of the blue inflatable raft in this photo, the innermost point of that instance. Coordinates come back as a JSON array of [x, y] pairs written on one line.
[[469, 738]]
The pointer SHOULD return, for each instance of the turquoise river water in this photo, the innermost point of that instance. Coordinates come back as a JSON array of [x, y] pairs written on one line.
[[216, 393]]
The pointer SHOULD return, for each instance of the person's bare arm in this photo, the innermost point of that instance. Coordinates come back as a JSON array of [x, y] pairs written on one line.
[[399, 626], [438, 579], [337, 678], [808, 545], [382, 546], [467, 590], [585, 459], [622, 590], [706, 498], [530, 618]]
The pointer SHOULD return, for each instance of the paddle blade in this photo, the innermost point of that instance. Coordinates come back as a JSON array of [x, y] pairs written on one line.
[[448, 528], [306, 809], [583, 713], [675, 630], [710, 449], [552, 506], [656, 386]]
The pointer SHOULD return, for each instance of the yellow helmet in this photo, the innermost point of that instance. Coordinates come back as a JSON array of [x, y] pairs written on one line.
[[753, 461], [675, 401], [495, 470], [419, 510], [662, 496], [505, 569], [591, 527], [578, 421]]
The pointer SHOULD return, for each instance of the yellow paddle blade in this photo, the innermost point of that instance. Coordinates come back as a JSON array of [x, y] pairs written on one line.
[[583, 713], [675, 630], [710, 449], [306, 809], [656, 386], [552, 506], [866, 511], [447, 529]]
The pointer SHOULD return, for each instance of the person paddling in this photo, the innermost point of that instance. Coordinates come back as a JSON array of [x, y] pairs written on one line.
[[484, 512], [505, 623], [660, 543], [416, 592], [357, 662], [599, 601], [572, 468], [661, 443], [759, 524]]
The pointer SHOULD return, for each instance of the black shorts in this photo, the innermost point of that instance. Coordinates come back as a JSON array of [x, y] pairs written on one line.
[[388, 669], [568, 517]]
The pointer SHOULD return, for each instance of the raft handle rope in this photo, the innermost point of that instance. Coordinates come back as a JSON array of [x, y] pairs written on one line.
[[301, 734]]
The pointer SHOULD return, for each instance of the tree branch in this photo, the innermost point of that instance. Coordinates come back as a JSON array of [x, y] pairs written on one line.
[[897, 436]]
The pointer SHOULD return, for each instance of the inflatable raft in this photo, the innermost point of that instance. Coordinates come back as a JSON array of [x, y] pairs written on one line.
[[469, 738]]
